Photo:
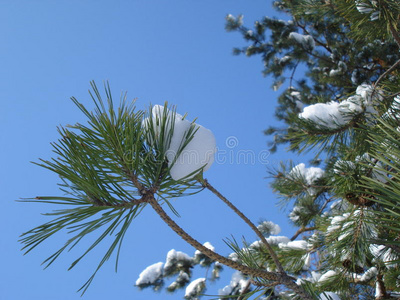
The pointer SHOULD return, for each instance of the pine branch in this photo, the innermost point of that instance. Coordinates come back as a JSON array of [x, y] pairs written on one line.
[[388, 71], [305, 30], [395, 34], [280, 278], [207, 185], [301, 230], [136, 182]]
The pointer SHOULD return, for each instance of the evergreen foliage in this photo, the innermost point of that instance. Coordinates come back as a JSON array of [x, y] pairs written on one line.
[[344, 107]]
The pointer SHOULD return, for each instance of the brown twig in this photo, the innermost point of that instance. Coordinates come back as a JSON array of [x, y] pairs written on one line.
[[395, 34], [301, 230], [388, 71]]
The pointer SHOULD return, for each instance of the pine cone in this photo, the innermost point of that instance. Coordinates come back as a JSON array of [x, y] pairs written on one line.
[[350, 266], [362, 199]]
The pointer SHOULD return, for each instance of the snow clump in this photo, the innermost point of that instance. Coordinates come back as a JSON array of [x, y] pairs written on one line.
[[151, 274], [306, 41], [334, 115], [195, 288], [184, 160]]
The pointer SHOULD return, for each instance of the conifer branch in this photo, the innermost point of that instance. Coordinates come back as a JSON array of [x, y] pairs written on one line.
[[302, 230], [395, 34], [280, 278], [135, 182], [274, 257], [388, 71], [305, 30], [259, 284]]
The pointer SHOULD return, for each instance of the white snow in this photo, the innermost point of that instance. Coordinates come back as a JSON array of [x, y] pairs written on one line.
[[335, 115], [325, 114], [237, 281], [369, 274], [385, 255], [276, 240], [342, 67], [306, 41], [297, 245], [336, 223], [183, 276], [327, 276], [174, 256], [233, 256], [328, 296], [195, 288], [284, 59], [378, 172], [199, 153], [151, 274], [279, 241], [378, 292], [313, 278], [275, 228], [184, 160], [309, 174], [343, 166], [207, 245], [364, 7], [307, 262], [294, 214], [271, 226]]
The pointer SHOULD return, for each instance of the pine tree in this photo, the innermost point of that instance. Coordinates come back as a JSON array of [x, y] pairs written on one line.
[[345, 108]]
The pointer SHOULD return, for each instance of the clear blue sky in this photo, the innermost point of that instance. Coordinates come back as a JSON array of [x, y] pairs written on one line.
[[176, 51]]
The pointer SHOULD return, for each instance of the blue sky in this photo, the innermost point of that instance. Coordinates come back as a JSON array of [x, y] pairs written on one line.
[[176, 51]]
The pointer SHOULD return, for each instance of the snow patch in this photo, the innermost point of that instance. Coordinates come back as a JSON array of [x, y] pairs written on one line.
[[306, 41], [268, 226], [297, 245], [177, 257], [151, 274], [369, 274], [329, 296], [334, 115], [195, 288], [237, 281], [327, 276], [310, 175], [207, 245], [184, 160]]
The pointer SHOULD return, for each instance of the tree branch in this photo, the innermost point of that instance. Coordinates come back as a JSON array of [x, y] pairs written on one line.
[[281, 278], [386, 73], [395, 34], [207, 185], [301, 230]]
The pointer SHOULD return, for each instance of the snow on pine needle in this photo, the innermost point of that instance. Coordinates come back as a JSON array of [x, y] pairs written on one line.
[[190, 148], [334, 115]]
